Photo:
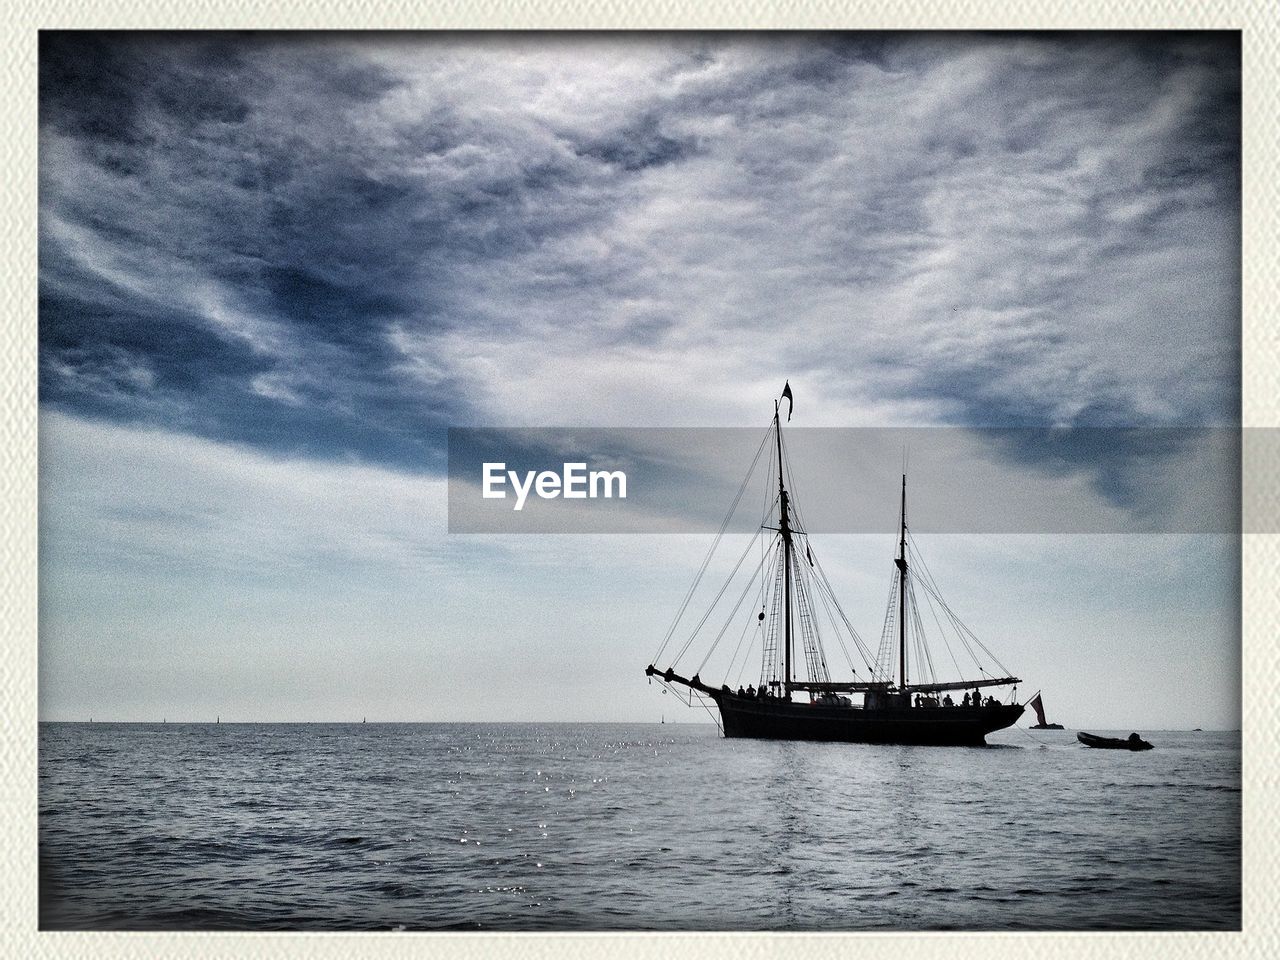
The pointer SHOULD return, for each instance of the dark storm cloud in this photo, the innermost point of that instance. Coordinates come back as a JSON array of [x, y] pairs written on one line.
[[639, 145], [338, 245]]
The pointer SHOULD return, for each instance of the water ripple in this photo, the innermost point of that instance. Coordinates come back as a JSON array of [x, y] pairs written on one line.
[[577, 827]]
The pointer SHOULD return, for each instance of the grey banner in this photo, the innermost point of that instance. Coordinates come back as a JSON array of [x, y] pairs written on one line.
[[849, 480]]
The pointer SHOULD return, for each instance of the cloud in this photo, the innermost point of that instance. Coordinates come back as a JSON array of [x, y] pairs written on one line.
[[161, 502], [607, 230]]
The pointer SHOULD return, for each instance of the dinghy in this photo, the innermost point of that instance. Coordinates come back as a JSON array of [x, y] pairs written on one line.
[[1132, 742]]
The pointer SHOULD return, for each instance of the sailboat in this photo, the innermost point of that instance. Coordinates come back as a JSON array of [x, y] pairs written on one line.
[[794, 592], [1041, 723]]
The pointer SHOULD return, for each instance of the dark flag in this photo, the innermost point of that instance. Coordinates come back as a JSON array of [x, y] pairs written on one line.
[[786, 395], [808, 554], [1038, 707]]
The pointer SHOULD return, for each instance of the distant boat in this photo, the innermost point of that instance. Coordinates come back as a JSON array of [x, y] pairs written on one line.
[[794, 594], [1038, 706], [1132, 742]]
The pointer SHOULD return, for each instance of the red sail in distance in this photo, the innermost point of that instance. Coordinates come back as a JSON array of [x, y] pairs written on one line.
[[1038, 706]]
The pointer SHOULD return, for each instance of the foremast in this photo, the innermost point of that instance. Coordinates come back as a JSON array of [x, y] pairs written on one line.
[[901, 561], [784, 529]]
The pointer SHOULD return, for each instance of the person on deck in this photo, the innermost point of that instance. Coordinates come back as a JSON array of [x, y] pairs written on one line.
[[947, 701], [965, 701], [751, 691]]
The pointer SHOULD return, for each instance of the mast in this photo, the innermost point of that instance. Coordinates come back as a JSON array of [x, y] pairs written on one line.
[[784, 527], [901, 561]]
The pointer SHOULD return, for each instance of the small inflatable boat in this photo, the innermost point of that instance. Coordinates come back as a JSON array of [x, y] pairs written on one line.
[[1132, 742]]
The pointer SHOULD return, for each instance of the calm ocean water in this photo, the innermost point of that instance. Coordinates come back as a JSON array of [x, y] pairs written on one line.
[[616, 826]]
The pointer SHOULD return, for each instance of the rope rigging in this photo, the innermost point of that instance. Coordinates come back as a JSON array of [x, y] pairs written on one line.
[[884, 657], [810, 589], [714, 544], [714, 603], [966, 635], [821, 581], [732, 613]]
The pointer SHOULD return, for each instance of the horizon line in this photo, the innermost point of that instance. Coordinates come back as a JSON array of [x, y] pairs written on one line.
[[480, 723]]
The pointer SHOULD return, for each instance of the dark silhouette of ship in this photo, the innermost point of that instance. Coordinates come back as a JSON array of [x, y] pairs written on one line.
[[794, 593]]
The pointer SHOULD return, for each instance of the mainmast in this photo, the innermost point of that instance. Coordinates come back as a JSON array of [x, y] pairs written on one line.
[[784, 527], [901, 561]]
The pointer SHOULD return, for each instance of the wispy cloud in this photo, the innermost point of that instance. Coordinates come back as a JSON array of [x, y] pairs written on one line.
[[419, 231], [160, 502]]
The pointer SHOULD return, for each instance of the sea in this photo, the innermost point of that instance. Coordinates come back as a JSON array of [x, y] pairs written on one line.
[[577, 827]]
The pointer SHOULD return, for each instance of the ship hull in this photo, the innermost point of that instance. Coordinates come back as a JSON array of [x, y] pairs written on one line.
[[925, 726]]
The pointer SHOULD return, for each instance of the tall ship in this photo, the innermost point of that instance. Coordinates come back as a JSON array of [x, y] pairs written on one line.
[[900, 695]]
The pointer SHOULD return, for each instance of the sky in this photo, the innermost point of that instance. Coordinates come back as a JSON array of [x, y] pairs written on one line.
[[275, 270]]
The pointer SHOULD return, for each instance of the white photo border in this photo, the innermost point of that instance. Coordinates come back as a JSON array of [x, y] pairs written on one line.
[[1259, 24]]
